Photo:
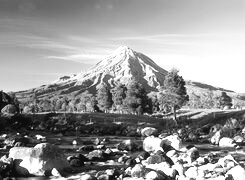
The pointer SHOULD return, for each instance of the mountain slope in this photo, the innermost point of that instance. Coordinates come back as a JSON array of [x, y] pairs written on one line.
[[121, 66]]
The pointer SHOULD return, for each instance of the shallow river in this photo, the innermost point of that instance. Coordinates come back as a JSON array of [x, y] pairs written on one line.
[[65, 143]]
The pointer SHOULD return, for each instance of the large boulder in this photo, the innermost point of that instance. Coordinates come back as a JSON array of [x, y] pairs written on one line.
[[227, 142], [40, 160], [152, 144], [172, 140]]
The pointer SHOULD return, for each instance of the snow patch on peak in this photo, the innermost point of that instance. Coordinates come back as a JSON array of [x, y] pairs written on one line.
[[123, 50]]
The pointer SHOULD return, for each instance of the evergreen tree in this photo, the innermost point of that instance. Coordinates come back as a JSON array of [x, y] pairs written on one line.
[[225, 100], [104, 97], [34, 105], [58, 104], [153, 100], [53, 102], [85, 100], [164, 106], [136, 97], [46, 104], [92, 105], [174, 91], [81, 107], [118, 96], [65, 103]]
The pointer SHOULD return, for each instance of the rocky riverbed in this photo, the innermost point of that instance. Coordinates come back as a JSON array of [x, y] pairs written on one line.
[[212, 151]]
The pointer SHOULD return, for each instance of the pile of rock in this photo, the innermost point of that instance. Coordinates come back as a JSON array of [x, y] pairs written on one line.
[[167, 158]]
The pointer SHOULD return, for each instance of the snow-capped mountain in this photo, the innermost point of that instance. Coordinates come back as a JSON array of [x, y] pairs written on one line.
[[121, 66]]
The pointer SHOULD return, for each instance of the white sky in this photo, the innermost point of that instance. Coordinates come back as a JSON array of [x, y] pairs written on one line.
[[42, 40]]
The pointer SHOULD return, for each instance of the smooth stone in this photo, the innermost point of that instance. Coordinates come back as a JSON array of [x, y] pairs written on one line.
[[39, 160], [237, 172], [151, 144]]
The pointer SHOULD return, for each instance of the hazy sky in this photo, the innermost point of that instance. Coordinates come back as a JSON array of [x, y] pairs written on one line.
[[41, 40]]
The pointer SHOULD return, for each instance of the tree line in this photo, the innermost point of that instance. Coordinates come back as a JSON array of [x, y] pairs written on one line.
[[129, 98]]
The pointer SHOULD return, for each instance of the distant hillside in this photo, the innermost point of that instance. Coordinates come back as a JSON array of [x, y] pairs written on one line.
[[206, 86]]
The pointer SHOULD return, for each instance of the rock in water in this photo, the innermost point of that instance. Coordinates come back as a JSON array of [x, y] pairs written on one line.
[[41, 159]]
